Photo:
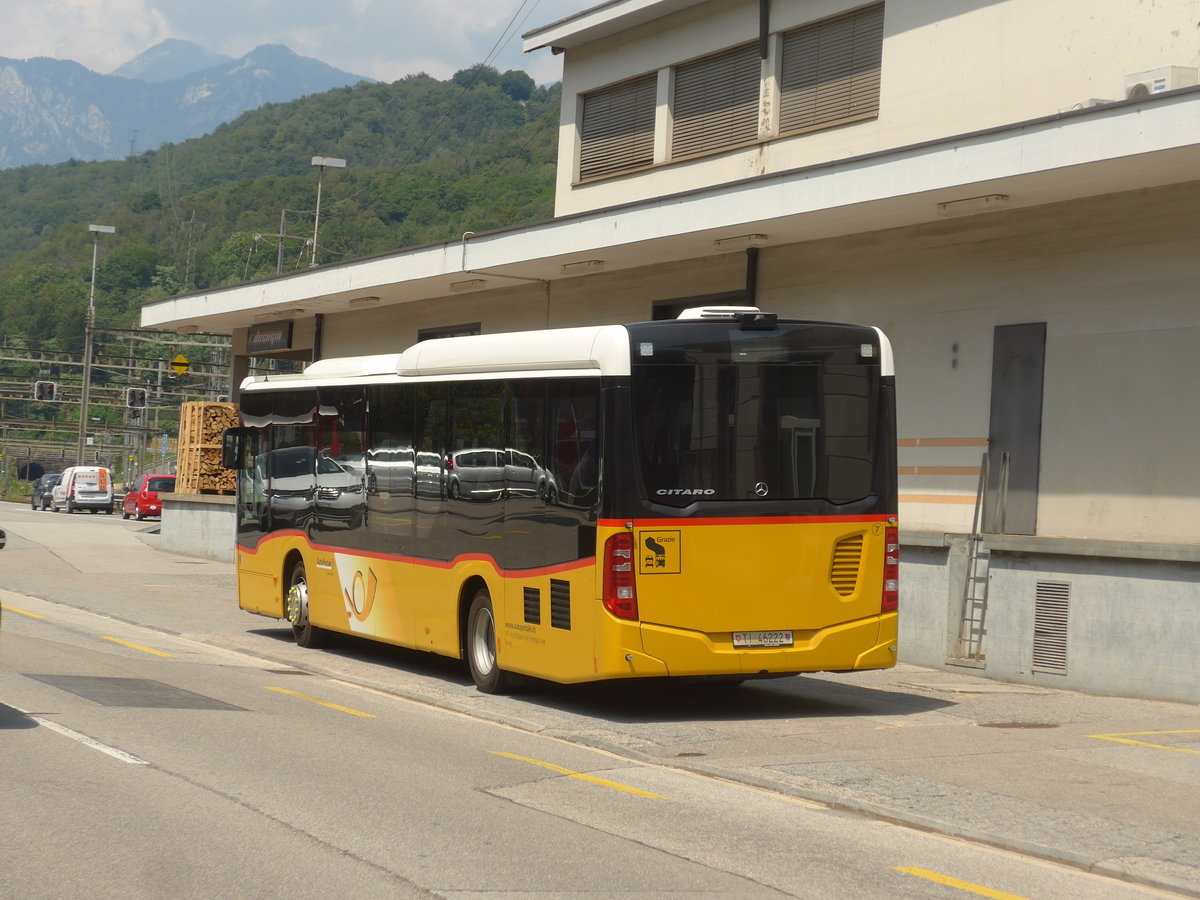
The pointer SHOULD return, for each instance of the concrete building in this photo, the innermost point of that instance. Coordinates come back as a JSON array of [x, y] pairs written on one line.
[[1011, 190]]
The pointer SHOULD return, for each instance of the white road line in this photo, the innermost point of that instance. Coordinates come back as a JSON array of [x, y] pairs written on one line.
[[87, 741]]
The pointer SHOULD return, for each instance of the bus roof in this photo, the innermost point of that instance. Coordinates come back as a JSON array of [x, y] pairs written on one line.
[[591, 350], [596, 349]]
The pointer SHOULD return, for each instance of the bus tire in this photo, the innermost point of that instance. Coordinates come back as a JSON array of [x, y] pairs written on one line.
[[296, 609], [489, 678]]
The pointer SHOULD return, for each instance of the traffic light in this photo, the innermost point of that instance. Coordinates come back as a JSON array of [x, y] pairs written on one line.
[[135, 398], [44, 390]]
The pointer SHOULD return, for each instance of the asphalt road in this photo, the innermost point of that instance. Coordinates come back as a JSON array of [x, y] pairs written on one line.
[[159, 742]]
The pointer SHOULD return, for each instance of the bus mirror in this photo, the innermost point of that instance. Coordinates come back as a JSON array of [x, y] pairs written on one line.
[[233, 448]]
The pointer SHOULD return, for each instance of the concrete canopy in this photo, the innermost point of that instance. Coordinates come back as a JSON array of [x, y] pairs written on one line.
[[1127, 145]]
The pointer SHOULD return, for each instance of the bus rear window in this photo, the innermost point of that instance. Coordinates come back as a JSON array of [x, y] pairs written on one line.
[[720, 430]]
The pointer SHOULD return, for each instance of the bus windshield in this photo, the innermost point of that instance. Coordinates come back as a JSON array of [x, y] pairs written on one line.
[[734, 421]]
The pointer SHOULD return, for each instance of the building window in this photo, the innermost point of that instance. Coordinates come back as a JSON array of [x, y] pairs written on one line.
[[830, 71], [445, 331], [716, 99], [617, 130]]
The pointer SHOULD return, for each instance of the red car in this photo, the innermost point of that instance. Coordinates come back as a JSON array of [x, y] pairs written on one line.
[[143, 500]]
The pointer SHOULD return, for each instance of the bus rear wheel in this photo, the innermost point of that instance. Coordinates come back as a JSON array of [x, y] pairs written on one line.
[[295, 608], [481, 647]]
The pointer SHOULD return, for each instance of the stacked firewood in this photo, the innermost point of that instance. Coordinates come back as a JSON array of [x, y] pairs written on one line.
[[200, 428]]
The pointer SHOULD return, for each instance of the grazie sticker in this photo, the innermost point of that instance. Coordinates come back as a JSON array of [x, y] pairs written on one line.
[[659, 552]]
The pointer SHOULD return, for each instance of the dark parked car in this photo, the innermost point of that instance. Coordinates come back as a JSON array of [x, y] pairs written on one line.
[[42, 489]]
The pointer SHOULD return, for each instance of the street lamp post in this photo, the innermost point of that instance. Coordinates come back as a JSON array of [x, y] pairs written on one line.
[[322, 163], [89, 327]]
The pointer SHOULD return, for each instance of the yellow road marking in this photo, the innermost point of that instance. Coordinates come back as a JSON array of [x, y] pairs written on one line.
[[581, 776], [1125, 739], [959, 884], [135, 646], [345, 709], [20, 611]]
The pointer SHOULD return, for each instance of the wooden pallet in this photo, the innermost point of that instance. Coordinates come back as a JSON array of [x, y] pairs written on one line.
[[200, 428]]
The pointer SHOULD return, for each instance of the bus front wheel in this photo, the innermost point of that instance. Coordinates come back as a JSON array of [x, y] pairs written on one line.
[[481, 646], [296, 609]]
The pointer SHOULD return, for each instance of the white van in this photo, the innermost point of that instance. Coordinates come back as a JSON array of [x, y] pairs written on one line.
[[84, 487]]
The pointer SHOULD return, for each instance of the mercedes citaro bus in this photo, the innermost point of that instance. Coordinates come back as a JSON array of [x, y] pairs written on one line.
[[709, 496]]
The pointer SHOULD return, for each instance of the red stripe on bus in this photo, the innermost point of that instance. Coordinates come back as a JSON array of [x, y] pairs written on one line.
[[462, 558]]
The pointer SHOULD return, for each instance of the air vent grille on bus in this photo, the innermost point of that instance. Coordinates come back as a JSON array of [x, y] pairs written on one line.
[[847, 557], [560, 604], [533, 606]]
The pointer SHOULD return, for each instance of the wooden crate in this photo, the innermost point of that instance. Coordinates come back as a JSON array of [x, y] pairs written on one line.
[[200, 428]]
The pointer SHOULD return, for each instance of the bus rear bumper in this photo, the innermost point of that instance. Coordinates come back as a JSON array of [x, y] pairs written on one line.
[[863, 644]]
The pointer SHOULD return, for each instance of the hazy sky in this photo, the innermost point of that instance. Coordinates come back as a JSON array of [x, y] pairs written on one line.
[[380, 39]]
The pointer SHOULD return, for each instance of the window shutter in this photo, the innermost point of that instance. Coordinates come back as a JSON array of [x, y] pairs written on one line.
[[618, 127], [716, 102], [830, 72]]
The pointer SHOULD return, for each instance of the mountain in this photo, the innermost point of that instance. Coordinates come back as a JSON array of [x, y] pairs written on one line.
[[268, 74], [427, 160], [170, 60], [55, 110], [52, 109]]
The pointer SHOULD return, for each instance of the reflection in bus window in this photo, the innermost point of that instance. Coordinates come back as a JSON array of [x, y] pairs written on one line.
[[574, 453], [340, 439], [291, 478]]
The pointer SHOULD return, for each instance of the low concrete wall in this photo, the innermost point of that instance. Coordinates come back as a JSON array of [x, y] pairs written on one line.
[[199, 525], [1122, 619]]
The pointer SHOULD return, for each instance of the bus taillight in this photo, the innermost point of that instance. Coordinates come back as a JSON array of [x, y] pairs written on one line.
[[891, 570], [620, 590]]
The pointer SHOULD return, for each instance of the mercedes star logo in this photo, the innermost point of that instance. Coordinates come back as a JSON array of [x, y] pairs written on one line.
[[761, 489]]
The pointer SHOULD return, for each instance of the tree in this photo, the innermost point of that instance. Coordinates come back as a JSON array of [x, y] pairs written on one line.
[[478, 74], [43, 303], [517, 84], [126, 268]]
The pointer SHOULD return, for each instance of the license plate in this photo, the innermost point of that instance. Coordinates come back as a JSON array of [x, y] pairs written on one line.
[[762, 639]]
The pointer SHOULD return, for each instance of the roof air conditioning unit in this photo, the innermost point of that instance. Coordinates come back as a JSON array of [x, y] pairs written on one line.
[[1156, 81]]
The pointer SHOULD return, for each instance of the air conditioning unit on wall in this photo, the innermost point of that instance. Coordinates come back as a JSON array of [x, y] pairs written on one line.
[[1155, 81]]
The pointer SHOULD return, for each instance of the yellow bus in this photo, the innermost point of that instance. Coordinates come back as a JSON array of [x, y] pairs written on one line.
[[710, 496]]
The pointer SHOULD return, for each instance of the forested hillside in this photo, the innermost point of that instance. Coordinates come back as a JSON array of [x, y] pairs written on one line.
[[427, 160]]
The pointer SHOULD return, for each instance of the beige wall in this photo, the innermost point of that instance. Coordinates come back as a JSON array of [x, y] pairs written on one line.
[[617, 297], [1115, 280], [948, 68], [1113, 277]]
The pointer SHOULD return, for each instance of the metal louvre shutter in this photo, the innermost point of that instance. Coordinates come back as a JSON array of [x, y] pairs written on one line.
[[618, 128], [1051, 618], [830, 71], [716, 102]]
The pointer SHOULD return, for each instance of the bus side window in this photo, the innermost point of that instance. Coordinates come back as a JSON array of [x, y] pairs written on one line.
[[527, 476], [574, 447], [341, 460], [430, 440]]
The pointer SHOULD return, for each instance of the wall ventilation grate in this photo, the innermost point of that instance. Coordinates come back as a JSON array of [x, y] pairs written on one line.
[[1051, 617]]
